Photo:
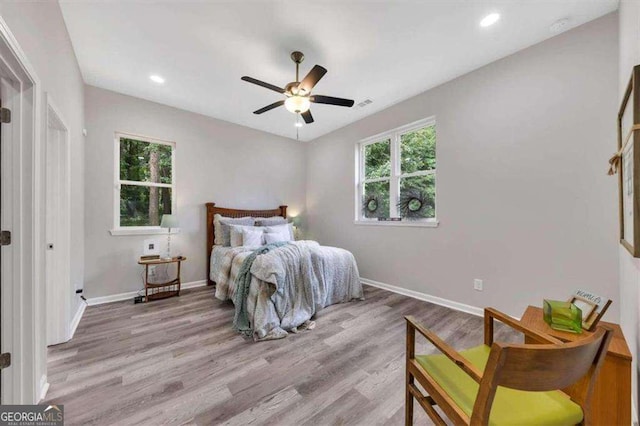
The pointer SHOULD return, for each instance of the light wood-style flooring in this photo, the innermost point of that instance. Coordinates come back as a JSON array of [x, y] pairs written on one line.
[[177, 361]]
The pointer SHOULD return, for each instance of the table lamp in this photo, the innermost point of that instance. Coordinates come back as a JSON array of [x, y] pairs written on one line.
[[169, 221], [295, 221]]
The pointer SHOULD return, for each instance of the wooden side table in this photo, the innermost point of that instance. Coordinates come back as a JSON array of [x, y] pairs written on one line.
[[154, 291], [612, 391]]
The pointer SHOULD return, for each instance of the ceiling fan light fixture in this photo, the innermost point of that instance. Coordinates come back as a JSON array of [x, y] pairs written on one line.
[[297, 104]]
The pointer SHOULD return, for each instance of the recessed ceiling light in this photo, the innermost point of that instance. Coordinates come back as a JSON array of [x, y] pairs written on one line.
[[156, 79], [298, 124], [490, 19]]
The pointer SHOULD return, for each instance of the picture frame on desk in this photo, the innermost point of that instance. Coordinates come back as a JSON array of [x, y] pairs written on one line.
[[151, 247], [593, 307], [586, 307]]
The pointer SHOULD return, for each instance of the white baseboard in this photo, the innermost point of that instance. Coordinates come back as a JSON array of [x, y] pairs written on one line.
[[473, 310], [125, 296], [76, 318], [44, 387]]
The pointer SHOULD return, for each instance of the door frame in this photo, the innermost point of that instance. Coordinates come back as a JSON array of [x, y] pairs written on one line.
[[62, 299], [23, 322]]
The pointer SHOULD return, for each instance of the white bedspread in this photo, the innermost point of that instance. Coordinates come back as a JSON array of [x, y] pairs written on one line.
[[288, 285]]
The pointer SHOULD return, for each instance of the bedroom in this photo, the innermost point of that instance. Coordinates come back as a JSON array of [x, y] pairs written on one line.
[[524, 113]]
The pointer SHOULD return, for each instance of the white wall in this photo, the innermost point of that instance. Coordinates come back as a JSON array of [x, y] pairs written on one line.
[[41, 32], [217, 161], [523, 198], [629, 17]]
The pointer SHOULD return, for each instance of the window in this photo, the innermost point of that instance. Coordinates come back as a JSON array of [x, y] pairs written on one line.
[[397, 176], [145, 182]]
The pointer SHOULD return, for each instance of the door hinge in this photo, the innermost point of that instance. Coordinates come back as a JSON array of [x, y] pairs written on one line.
[[5, 115], [5, 360], [5, 238]]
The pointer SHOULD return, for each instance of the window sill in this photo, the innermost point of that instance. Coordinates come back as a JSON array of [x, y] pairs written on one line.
[[118, 232], [406, 223]]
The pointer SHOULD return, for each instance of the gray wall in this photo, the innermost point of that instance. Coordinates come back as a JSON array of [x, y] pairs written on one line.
[[629, 15], [523, 198], [217, 161]]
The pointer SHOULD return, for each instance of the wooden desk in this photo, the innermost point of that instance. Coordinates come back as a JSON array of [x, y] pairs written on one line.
[[612, 392], [154, 291]]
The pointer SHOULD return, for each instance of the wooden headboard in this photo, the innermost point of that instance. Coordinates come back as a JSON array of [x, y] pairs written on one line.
[[212, 210]]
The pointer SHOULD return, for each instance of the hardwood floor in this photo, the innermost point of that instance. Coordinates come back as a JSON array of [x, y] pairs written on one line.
[[177, 361]]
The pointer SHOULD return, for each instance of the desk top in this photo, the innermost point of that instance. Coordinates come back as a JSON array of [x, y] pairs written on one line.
[[618, 347], [161, 261]]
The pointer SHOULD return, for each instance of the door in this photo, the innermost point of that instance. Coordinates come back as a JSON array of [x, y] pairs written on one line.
[[7, 97], [58, 286]]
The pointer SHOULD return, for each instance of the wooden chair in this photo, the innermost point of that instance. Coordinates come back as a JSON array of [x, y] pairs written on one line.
[[498, 383]]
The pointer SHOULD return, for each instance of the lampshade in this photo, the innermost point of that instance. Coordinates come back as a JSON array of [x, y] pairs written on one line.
[[296, 221], [169, 221], [297, 104]]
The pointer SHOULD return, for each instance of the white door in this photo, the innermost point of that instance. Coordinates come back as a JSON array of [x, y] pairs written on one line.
[[8, 95], [58, 287]]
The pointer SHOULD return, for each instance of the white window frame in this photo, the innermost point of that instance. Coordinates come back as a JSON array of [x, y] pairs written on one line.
[[140, 230], [394, 136]]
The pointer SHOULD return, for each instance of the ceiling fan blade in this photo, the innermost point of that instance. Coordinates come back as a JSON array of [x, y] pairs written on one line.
[[330, 100], [314, 76], [307, 117], [269, 107], [263, 84]]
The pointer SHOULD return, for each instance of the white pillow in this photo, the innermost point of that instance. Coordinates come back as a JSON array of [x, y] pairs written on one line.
[[286, 229], [222, 232], [252, 237], [275, 237], [236, 235]]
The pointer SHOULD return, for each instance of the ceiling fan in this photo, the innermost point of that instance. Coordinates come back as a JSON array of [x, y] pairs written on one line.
[[298, 96]]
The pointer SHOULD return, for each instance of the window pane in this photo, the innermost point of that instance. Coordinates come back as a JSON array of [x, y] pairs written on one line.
[[143, 205], [375, 202], [418, 150], [377, 160], [417, 197], [145, 162]]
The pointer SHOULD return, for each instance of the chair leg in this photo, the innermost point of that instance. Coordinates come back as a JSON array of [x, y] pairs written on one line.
[[408, 406]]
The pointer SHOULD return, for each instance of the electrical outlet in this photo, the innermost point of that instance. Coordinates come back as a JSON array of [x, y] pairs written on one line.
[[477, 284]]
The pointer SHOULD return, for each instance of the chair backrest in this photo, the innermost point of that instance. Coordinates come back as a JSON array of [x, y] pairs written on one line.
[[536, 367]]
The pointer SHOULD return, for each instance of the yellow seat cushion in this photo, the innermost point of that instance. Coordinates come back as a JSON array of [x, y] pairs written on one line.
[[510, 406]]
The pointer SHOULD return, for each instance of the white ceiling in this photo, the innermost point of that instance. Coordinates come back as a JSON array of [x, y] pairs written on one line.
[[386, 51]]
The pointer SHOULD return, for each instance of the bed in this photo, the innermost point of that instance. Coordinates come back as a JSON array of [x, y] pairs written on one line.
[[278, 289]]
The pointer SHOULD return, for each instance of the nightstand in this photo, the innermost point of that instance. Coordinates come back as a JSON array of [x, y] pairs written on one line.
[[154, 291]]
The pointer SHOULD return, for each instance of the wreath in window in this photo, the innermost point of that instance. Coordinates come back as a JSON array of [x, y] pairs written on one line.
[[414, 203], [370, 206]]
